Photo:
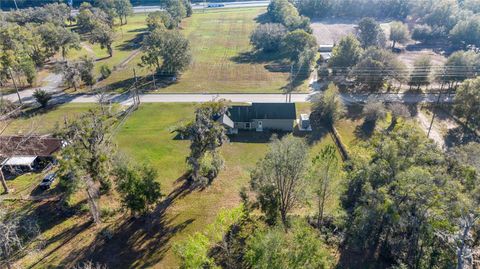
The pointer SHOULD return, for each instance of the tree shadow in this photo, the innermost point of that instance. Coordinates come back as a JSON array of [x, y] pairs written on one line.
[[354, 112], [365, 130], [134, 43], [460, 136], [263, 18], [274, 59], [144, 239], [48, 215], [317, 134]]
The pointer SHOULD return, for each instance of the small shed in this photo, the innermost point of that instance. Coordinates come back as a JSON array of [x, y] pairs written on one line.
[[304, 123], [325, 48]]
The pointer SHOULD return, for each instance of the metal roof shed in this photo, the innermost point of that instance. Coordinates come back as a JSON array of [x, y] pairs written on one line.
[[20, 161]]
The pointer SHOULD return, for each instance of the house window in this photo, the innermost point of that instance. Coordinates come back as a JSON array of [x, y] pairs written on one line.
[[248, 125]]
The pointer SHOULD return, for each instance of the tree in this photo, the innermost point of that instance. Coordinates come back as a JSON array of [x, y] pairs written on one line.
[[467, 102], [278, 178], [373, 111], [167, 51], [398, 110], [284, 12], [123, 9], [86, 157], [460, 65], [346, 54], [89, 17], [298, 41], [399, 202], [467, 32], [268, 37], [423, 33], [370, 33], [103, 35], [421, 74], [301, 247], [71, 74], [376, 67], [58, 38], [76, 72], [159, 19], [324, 172], [15, 234], [206, 135], [42, 97], [176, 9], [86, 66], [464, 164], [138, 187], [315, 8], [398, 33], [327, 108]]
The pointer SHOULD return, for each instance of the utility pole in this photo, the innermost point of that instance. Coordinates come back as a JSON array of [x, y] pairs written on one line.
[[438, 102], [15, 85]]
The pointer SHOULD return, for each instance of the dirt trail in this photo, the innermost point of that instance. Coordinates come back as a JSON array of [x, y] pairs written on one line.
[[435, 133], [124, 63]]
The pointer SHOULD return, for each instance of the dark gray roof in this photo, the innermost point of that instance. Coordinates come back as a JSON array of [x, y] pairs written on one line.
[[274, 111]]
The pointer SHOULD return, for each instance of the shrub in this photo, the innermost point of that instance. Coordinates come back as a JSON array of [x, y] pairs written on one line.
[[42, 97], [105, 71]]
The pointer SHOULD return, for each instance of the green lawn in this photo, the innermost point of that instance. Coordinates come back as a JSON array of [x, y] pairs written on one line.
[[146, 137], [222, 61]]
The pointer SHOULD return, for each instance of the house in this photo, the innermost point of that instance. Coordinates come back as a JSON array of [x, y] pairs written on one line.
[[260, 117], [325, 52], [21, 153]]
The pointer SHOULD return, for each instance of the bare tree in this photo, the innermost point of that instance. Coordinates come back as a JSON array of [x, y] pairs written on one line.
[[15, 235]]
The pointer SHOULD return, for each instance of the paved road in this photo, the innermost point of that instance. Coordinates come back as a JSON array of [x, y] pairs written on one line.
[[240, 4], [242, 98]]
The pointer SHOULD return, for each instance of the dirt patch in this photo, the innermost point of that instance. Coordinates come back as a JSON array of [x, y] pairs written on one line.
[[331, 30], [409, 57]]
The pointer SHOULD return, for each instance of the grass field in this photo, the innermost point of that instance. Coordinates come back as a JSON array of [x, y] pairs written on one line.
[[222, 57], [146, 137]]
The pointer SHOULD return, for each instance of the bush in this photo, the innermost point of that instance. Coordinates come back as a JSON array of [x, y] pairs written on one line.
[[105, 71], [42, 97]]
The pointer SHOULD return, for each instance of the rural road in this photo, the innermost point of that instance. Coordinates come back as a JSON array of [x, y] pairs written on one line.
[[145, 9], [241, 98]]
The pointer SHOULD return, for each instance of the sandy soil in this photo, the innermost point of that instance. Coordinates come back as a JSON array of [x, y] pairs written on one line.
[[441, 124]]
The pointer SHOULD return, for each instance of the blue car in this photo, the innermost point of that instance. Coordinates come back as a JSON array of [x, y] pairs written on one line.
[[215, 5]]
